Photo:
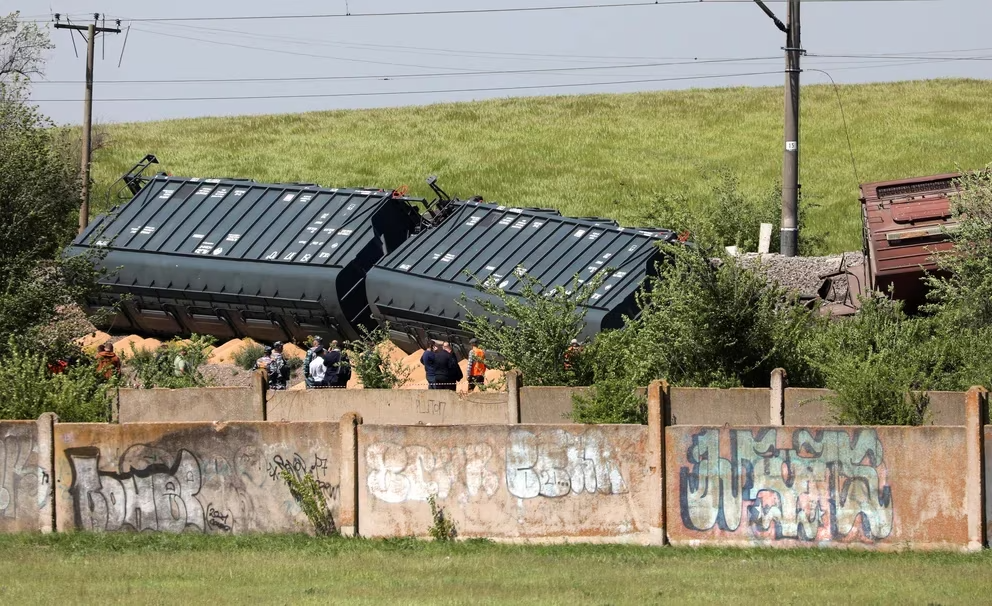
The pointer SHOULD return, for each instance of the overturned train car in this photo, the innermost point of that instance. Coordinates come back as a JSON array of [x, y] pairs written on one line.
[[236, 258], [417, 288], [906, 222]]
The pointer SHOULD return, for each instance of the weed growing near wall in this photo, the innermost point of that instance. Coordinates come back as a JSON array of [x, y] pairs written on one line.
[[373, 366], [442, 529], [158, 368], [307, 493]]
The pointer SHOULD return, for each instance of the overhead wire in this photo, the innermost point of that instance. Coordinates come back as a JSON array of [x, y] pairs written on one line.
[[432, 91]]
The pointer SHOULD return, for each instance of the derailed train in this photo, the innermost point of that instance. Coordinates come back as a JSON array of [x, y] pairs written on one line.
[[237, 258]]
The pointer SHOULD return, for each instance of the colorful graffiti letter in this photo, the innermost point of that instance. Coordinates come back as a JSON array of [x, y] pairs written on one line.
[[829, 484]]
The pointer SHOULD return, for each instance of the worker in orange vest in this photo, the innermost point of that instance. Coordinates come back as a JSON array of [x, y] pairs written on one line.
[[476, 365]]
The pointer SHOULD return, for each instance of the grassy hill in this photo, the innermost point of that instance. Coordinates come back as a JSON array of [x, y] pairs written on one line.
[[592, 155]]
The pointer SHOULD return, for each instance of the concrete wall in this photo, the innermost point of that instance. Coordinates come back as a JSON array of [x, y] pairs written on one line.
[[880, 487], [400, 406], [25, 476], [696, 406], [189, 405], [190, 477], [547, 404], [809, 407], [508, 482]]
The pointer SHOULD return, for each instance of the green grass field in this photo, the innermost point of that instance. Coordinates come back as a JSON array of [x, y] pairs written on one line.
[[592, 155], [159, 569]]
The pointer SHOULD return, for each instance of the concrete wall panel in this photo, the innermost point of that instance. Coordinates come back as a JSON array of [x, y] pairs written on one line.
[[24, 480], [547, 404], [176, 477], [703, 406], [192, 405], [878, 487], [508, 482], [395, 406], [810, 407]]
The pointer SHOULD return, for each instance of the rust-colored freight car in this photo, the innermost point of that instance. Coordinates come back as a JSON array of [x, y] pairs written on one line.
[[905, 223]]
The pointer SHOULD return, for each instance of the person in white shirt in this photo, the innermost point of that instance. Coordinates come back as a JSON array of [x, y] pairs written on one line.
[[317, 368]]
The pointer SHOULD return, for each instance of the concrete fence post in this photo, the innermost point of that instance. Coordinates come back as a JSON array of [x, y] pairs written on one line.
[[348, 475], [780, 380], [514, 381], [259, 392], [975, 417], [46, 472], [657, 421]]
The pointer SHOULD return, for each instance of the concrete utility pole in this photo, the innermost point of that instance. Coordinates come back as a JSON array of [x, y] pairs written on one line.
[[91, 31], [789, 232]]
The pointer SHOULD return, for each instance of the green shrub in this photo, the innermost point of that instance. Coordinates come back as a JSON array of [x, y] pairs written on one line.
[[157, 368], [79, 395], [610, 401], [531, 332], [442, 528], [247, 356], [308, 495], [374, 368]]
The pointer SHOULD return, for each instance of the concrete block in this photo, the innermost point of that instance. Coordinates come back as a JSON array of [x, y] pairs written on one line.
[[24, 477], [400, 406], [201, 404], [218, 478], [868, 487], [547, 404]]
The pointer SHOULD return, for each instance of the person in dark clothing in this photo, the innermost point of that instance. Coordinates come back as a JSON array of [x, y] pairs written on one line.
[[427, 359], [447, 374], [332, 364]]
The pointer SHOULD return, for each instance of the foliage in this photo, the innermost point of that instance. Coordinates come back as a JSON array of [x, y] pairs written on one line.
[[611, 400], [876, 360], [369, 360], [532, 329], [309, 496], [249, 354], [29, 389], [157, 368], [442, 529], [21, 47]]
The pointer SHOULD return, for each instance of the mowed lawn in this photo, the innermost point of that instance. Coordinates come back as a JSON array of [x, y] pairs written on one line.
[[157, 569], [607, 155]]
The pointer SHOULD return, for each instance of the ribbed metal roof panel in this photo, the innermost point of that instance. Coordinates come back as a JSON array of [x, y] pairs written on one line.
[[484, 242]]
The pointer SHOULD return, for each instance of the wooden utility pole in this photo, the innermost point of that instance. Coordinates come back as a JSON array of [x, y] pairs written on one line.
[[789, 231], [91, 31]]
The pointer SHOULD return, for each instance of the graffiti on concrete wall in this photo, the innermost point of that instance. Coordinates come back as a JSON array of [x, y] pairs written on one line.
[[177, 489], [17, 474], [550, 463], [160, 495], [830, 486], [556, 463], [412, 473]]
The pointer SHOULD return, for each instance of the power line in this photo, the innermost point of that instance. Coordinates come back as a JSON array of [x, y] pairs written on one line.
[[425, 92], [464, 11], [549, 70]]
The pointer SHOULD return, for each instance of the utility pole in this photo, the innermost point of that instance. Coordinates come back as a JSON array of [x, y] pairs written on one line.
[[91, 31], [789, 232]]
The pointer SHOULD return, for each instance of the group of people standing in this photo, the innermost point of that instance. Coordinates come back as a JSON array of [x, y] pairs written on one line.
[[275, 365], [443, 372], [328, 367]]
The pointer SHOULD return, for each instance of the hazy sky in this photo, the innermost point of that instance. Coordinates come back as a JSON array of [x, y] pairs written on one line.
[[368, 61]]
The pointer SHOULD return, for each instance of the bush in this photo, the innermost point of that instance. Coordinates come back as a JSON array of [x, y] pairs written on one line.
[[531, 332], [310, 497], [701, 325], [78, 395], [370, 362], [157, 369], [249, 354]]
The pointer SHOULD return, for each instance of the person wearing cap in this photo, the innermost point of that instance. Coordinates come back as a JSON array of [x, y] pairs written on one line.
[[573, 351], [332, 365], [108, 364], [263, 362], [278, 369], [318, 343], [476, 365], [316, 370]]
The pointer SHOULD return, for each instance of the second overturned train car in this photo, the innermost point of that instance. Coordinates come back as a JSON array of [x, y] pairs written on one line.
[[280, 261]]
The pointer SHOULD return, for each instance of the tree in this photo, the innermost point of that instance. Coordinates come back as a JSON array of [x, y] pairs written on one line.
[[22, 46], [532, 330], [372, 364], [39, 185]]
